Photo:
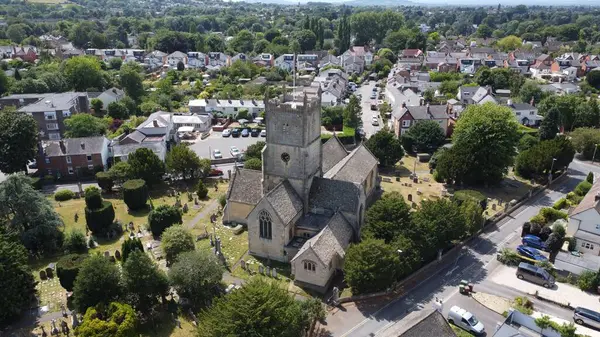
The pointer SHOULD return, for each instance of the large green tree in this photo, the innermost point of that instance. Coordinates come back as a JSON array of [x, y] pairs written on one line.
[[425, 136], [243, 42], [386, 147], [176, 240], [196, 276], [181, 160], [529, 90], [258, 309], [143, 281], [387, 218], [144, 164], [509, 43], [352, 112], [549, 127], [536, 162], [370, 266], [98, 281], [114, 320], [84, 125], [83, 72], [585, 141], [484, 143], [593, 78], [18, 140], [566, 105]]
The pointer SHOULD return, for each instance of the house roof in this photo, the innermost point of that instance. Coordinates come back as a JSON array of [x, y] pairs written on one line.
[[333, 153], [522, 106], [177, 54], [334, 195], [422, 323], [125, 149], [355, 167], [411, 52], [587, 236], [74, 146], [589, 200], [61, 101], [245, 186], [480, 94], [285, 201], [423, 112]]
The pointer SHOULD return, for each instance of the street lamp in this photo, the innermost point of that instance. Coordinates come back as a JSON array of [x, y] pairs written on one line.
[[594, 156], [550, 173]]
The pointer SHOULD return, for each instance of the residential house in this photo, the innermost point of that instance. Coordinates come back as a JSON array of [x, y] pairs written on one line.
[[441, 62], [590, 65], [542, 67], [239, 57], [26, 53], [227, 107], [359, 51], [285, 62], [518, 324], [108, 96], [73, 157], [334, 84], [407, 116], [217, 60], [154, 134], [584, 221], [469, 65], [175, 58], [330, 60], [526, 113], [475, 95], [353, 64], [155, 59], [196, 60], [411, 54], [108, 54], [420, 323], [199, 123], [134, 55], [69, 53], [264, 60], [560, 88], [49, 110]]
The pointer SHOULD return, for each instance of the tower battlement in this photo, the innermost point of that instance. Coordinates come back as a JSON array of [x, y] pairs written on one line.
[[306, 101]]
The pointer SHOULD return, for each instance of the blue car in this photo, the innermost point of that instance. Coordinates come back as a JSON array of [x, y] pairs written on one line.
[[245, 133], [531, 253], [534, 241]]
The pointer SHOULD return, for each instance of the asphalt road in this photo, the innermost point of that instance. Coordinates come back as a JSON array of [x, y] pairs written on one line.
[[367, 114], [474, 264], [205, 147]]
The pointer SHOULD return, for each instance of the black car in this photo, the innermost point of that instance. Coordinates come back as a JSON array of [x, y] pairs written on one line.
[[254, 132], [235, 133]]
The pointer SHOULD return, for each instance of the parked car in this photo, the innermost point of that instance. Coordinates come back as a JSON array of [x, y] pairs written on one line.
[[254, 132], [373, 95], [465, 320], [235, 132], [534, 241], [32, 164], [245, 133], [535, 274], [263, 133], [375, 121], [375, 89], [235, 152], [217, 154], [226, 133], [588, 317], [215, 173], [531, 253]]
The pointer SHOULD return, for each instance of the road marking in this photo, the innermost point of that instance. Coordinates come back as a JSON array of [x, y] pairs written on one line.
[[451, 271]]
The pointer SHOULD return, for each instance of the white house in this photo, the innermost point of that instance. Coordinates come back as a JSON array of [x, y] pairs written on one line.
[[584, 222], [174, 58], [228, 107], [217, 60], [155, 59], [526, 113], [154, 134], [200, 123], [196, 59]]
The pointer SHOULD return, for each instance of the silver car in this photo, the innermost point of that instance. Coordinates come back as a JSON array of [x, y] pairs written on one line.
[[587, 317]]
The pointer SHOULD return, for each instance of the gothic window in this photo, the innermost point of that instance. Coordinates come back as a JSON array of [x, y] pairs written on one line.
[[264, 219], [310, 266]]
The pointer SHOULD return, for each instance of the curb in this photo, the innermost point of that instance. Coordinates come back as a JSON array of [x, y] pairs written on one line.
[[560, 304]]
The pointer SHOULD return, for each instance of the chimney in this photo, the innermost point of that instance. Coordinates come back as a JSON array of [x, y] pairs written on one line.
[[155, 123], [597, 196], [509, 102], [82, 145], [532, 102], [404, 105]]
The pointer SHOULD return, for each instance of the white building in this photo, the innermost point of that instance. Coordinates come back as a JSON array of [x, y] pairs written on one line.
[[196, 60], [174, 58], [154, 134], [584, 222], [200, 123], [229, 107], [525, 113]]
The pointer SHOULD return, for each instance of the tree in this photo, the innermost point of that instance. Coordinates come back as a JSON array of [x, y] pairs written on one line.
[[144, 283], [174, 241], [549, 127], [144, 164], [537, 161], [257, 309], [67, 269], [4, 83], [386, 147], [201, 190], [181, 160], [99, 214], [369, 266], [117, 110], [75, 242], [116, 320], [271, 34], [255, 150], [84, 125], [529, 90], [585, 140], [18, 140], [129, 246], [473, 215], [437, 224], [593, 79], [509, 43], [196, 276], [352, 112], [17, 32], [83, 72], [105, 181], [387, 54], [307, 39], [527, 142], [162, 217], [17, 75], [98, 281], [387, 218], [243, 42], [120, 172], [253, 164], [17, 285], [565, 104], [130, 77], [97, 105], [115, 63], [425, 136], [484, 31], [475, 159]]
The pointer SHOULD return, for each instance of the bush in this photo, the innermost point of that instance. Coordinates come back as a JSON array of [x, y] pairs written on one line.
[[476, 196], [135, 194], [162, 217], [93, 198], [538, 220], [105, 181], [590, 178], [573, 198], [588, 281], [75, 242], [201, 190], [129, 246], [37, 182], [582, 188], [509, 257], [67, 268], [560, 204], [176, 240], [551, 214], [572, 244], [100, 220], [223, 200], [524, 305], [64, 195]]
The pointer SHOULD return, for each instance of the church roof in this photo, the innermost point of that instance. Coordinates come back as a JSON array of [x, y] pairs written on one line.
[[355, 167], [245, 186], [334, 195], [333, 153], [332, 240], [285, 201]]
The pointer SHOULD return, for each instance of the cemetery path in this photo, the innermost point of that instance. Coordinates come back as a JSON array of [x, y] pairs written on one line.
[[210, 208]]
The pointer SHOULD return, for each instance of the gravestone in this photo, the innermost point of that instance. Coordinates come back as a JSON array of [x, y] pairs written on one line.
[[268, 271], [274, 272], [43, 275], [418, 191], [218, 246], [107, 254], [243, 264], [261, 269], [185, 208], [49, 272], [64, 328], [196, 201], [409, 197], [493, 207], [118, 254]]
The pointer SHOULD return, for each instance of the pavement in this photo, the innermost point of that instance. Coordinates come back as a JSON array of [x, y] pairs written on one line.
[[367, 114], [205, 147], [475, 264]]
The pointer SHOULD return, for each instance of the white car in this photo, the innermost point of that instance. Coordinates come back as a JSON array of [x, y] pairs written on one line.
[[375, 121], [234, 151], [465, 320], [217, 154], [263, 133], [226, 133]]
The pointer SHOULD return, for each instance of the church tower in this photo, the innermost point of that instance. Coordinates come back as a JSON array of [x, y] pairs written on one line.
[[293, 149]]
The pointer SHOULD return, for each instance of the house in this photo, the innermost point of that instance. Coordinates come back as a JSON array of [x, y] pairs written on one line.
[[407, 116], [229, 107], [411, 53], [475, 95], [73, 157], [518, 324], [26, 53], [264, 60], [307, 204], [360, 51], [330, 60], [108, 96], [469, 65], [217, 60], [353, 64], [560, 88], [526, 113], [420, 323], [196, 60], [199, 123], [108, 54], [239, 57], [155, 59], [175, 58], [584, 221], [134, 55], [154, 134], [49, 110], [334, 84], [542, 67]]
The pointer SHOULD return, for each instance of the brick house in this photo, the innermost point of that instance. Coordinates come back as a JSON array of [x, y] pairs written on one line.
[[72, 158], [404, 118]]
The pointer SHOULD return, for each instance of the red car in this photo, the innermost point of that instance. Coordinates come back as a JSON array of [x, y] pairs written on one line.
[[215, 173]]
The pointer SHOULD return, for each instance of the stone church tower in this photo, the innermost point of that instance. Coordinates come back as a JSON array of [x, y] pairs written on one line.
[[293, 149]]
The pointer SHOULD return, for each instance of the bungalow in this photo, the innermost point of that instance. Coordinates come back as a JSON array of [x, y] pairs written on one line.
[[239, 57], [73, 157], [584, 221]]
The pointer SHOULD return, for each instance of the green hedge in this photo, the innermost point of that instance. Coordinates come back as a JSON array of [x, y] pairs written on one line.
[[346, 137], [476, 196], [99, 220], [67, 268], [582, 188], [64, 195], [135, 194], [105, 181], [93, 198], [130, 245]]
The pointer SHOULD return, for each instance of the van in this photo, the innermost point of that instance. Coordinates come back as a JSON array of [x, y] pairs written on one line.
[[583, 316], [535, 275], [465, 320]]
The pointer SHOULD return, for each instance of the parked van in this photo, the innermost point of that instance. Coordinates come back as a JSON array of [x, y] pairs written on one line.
[[535, 275], [465, 320]]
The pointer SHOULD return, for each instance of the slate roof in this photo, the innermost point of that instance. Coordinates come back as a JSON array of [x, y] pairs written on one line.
[[420, 112], [333, 153], [355, 167], [332, 240], [285, 201], [74, 146], [523, 106], [589, 200], [53, 102], [126, 149], [334, 195], [245, 186], [423, 323]]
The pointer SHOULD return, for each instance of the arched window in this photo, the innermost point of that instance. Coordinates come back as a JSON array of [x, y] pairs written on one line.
[[264, 219], [310, 266]]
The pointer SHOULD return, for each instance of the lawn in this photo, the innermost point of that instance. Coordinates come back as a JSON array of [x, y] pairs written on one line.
[[233, 246], [460, 332]]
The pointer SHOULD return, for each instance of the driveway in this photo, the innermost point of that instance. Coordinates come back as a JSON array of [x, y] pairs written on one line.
[[204, 147], [367, 114]]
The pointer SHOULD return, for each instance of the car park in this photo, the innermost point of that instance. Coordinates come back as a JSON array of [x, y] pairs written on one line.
[[226, 133], [217, 154], [254, 132], [534, 241], [465, 320], [531, 253], [583, 316], [535, 274], [245, 133], [235, 152], [263, 133], [235, 133]]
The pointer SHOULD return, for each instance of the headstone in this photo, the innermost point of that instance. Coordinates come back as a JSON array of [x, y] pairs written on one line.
[[409, 197], [49, 272], [261, 269], [418, 191], [274, 272], [243, 264], [185, 208], [107, 254], [43, 275], [118, 254], [493, 207], [268, 271], [196, 201]]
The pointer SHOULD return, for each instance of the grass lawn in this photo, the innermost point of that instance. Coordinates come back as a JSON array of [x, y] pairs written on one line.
[[233, 246], [460, 332]]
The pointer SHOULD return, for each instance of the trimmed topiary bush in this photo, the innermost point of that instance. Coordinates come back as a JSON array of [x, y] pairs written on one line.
[[135, 194], [162, 217], [105, 181], [67, 268], [201, 190], [582, 188], [560, 204], [64, 195], [93, 198], [99, 220]]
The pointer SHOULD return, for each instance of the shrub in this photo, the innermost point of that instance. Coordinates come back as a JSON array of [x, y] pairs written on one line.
[[476, 196], [67, 268], [223, 200], [93, 198], [201, 190], [64, 195], [560, 204], [509, 257], [588, 281], [129, 246], [538, 220], [176, 240], [547, 266], [524, 305], [37, 182], [573, 198], [590, 178], [572, 244], [135, 194], [99, 220], [559, 229], [105, 181], [162, 217], [582, 188], [75, 242], [551, 214]]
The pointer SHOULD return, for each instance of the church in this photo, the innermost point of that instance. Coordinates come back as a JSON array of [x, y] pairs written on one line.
[[308, 203]]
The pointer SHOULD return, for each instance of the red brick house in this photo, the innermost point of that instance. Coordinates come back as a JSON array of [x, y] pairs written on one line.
[[71, 158], [411, 53], [26, 54], [407, 116]]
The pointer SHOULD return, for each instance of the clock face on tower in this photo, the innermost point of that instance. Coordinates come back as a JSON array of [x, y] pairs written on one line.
[[285, 157]]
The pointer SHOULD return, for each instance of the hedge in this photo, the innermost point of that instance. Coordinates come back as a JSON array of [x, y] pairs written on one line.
[[582, 188], [64, 195], [476, 196], [93, 198], [67, 268], [135, 194], [105, 181], [36, 182], [560, 204], [162, 217], [99, 220]]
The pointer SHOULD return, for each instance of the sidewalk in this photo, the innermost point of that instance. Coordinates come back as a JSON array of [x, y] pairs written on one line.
[[582, 330]]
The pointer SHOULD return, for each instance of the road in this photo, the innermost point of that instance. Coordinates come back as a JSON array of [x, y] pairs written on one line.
[[367, 114], [474, 264]]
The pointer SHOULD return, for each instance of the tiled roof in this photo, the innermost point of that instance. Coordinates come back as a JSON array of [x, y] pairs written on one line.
[[333, 153], [423, 323], [285, 201], [331, 240], [355, 167], [420, 112], [74, 146], [589, 200], [334, 195], [523, 106], [245, 186]]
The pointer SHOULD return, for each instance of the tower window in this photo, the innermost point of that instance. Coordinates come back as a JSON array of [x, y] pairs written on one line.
[[264, 219], [310, 266], [285, 157]]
